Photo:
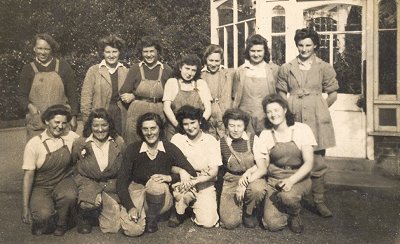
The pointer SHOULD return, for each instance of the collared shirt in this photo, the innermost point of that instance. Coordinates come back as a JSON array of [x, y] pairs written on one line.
[[100, 151], [204, 69], [203, 153], [302, 136], [110, 69], [255, 71], [306, 65], [35, 152], [152, 67], [145, 148], [44, 64]]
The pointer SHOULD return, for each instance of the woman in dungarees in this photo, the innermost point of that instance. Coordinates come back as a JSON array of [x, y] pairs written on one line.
[[186, 88], [287, 148], [103, 81], [44, 82], [48, 191], [254, 80], [98, 157], [244, 186], [305, 78], [219, 80], [144, 85]]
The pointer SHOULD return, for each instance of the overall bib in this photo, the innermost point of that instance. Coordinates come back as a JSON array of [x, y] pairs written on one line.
[[148, 95], [184, 98], [54, 192], [230, 210], [47, 90], [285, 159]]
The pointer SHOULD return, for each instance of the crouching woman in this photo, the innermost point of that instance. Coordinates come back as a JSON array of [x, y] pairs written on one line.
[[144, 180]]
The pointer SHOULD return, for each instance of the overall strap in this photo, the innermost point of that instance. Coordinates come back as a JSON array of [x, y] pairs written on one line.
[[142, 72], [160, 72], [234, 153], [45, 145], [35, 69], [179, 85], [57, 65], [273, 136]]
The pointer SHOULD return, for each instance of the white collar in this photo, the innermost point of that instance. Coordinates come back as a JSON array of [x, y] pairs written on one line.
[[244, 137], [111, 70], [44, 64], [145, 147], [155, 65], [204, 69], [91, 139], [249, 65]]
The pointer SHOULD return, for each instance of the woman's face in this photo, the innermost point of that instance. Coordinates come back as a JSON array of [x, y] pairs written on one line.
[[111, 55], [214, 62], [100, 129], [276, 113], [235, 128], [191, 127], [188, 72], [150, 55], [306, 48], [151, 132], [56, 126], [42, 51], [256, 53]]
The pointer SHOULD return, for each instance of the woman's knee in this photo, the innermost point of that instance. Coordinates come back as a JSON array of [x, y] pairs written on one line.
[[230, 221], [156, 188], [257, 189], [133, 230], [289, 199]]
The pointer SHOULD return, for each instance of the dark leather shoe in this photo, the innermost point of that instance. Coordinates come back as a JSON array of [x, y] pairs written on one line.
[[60, 230], [249, 221], [175, 220], [295, 224], [84, 228], [323, 210], [151, 226]]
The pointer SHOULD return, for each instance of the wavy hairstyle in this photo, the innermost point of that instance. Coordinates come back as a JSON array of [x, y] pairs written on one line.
[[304, 33], [148, 41], [236, 114], [189, 59], [213, 48], [111, 40], [275, 98], [190, 112], [54, 110], [100, 113], [150, 117], [257, 40], [49, 39]]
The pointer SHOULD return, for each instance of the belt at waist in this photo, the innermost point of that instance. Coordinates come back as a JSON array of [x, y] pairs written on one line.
[[149, 99], [288, 167], [234, 173], [304, 92]]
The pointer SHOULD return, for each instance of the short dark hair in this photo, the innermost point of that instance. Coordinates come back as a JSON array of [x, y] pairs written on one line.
[[212, 49], [236, 114], [189, 59], [100, 113], [49, 39], [149, 117], [257, 40], [304, 33], [275, 98], [55, 110], [148, 41], [111, 40], [190, 112]]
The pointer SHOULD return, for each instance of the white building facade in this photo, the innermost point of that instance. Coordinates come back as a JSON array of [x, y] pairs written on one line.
[[359, 38]]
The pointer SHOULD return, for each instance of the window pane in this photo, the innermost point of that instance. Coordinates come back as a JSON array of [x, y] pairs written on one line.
[[221, 37], [230, 46], [278, 19], [225, 13], [387, 62], [246, 9], [278, 50], [251, 26], [387, 117], [323, 51], [241, 43], [387, 14]]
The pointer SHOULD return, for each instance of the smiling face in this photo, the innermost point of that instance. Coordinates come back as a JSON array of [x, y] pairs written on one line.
[[306, 48], [151, 132], [42, 51], [56, 126], [191, 128], [100, 129], [150, 55], [256, 54], [188, 71], [276, 114], [111, 56], [235, 128], [214, 62]]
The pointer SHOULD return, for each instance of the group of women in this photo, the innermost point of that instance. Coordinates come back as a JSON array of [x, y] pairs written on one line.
[[225, 148]]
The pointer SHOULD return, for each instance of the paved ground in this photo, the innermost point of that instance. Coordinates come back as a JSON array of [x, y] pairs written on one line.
[[366, 207]]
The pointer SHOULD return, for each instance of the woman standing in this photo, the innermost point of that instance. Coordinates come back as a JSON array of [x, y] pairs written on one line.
[[144, 180], [186, 88], [305, 78], [287, 148], [103, 81], [98, 157], [219, 80], [144, 85], [244, 185], [48, 190], [254, 80]]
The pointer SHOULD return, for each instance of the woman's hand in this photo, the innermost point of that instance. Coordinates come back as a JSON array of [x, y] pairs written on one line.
[[160, 178], [286, 185], [127, 97], [240, 190], [26, 215], [133, 215], [244, 180], [73, 123], [98, 200]]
